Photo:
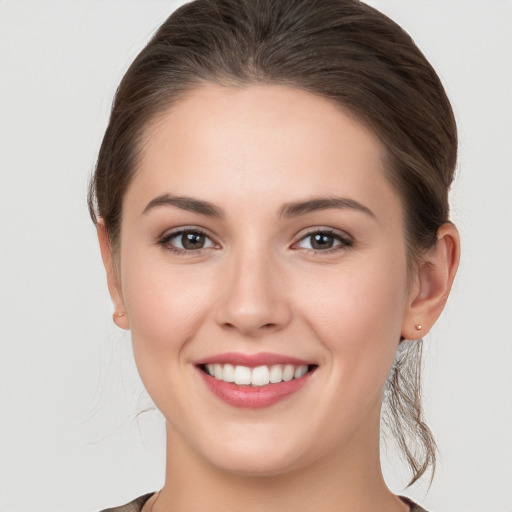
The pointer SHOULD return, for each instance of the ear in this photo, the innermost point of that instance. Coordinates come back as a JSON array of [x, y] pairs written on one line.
[[113, 281], [429, 293]]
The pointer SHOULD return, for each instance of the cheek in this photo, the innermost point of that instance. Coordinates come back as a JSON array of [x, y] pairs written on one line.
[[165, 307], [357, 311]]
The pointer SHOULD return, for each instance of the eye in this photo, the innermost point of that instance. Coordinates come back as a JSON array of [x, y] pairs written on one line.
[[323, 241], [187, 240]]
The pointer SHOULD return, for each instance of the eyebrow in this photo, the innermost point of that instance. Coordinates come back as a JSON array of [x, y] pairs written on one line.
[[293, 209], [185, 203], [297, 208]]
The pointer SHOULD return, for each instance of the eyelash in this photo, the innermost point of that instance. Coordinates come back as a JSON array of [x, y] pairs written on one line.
[[344, 241], [164, 241]]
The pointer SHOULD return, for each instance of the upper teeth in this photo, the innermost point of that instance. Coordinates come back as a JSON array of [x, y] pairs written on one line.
[[259, 376]]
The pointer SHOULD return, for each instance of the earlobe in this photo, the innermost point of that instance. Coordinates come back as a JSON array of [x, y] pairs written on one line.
[[433, 283], [119, 318], [114, 287]]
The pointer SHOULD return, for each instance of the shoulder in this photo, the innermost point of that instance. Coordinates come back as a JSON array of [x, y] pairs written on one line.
[[134, 506], [414, 506], [137, 504]]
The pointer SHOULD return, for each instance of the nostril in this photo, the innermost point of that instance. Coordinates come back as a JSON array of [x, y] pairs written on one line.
[[266, 327]]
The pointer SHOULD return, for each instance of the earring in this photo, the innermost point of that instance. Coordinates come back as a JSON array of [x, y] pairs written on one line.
[[118, 315], [419, 327]]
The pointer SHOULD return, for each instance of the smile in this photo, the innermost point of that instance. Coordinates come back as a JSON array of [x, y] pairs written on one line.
[[259, 376], [254, 381]]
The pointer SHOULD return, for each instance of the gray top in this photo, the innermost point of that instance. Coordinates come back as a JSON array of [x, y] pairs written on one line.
[[137, 504], [134, 506]]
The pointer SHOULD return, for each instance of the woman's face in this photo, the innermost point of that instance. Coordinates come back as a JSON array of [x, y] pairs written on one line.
[[260, 232]]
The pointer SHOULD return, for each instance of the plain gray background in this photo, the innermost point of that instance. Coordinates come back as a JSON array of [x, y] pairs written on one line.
[[70, 438]]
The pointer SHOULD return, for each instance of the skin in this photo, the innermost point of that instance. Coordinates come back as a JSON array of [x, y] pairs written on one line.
[[258, 286]]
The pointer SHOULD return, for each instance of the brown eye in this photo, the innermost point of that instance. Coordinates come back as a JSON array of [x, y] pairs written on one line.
[[188, 241], [323, 241], [192, 240]]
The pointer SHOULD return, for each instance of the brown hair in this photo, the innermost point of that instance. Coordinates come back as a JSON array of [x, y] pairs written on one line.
[[343, 50]]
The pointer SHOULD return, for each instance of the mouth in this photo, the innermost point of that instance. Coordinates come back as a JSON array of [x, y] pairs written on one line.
[[254, 381], [258, 376]]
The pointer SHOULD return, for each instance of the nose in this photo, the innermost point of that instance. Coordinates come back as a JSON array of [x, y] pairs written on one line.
[[253, 300]]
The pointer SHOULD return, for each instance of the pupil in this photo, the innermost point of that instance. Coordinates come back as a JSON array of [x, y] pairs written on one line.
[[192, 240], [322, 241]]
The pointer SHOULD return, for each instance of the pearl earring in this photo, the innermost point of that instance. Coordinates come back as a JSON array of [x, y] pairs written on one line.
[[419, 327]]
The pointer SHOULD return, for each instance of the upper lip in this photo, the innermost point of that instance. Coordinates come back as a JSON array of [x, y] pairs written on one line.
[[252, 360]]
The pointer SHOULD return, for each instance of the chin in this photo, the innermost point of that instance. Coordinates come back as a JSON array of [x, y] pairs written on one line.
[[255, 459], [257, 466]]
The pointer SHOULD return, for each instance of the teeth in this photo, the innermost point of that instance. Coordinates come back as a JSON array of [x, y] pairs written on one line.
[[259, 376], [218, 371], [242, 375], [300, 371], [276, 374], [229, 373], [288, 372]]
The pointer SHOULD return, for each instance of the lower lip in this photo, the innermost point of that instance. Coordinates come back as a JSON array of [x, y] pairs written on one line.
[[253, 397]]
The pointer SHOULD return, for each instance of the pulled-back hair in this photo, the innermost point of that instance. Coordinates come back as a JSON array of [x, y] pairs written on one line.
[[342, 50]]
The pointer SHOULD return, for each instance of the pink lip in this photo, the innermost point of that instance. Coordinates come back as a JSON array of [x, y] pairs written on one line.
[[252, 397], [252, 360]]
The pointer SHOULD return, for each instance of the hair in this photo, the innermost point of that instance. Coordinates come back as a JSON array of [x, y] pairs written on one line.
[[342, 50]]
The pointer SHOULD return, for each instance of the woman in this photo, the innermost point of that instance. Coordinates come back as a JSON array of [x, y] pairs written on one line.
[[271, 205]]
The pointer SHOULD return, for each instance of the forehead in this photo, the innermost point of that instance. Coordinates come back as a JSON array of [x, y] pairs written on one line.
[[261, 141]]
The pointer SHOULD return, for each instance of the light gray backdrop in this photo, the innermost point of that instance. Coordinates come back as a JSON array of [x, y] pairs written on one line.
[[69, 436]]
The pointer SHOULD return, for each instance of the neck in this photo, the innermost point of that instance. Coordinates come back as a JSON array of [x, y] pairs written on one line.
[[347, 481]]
